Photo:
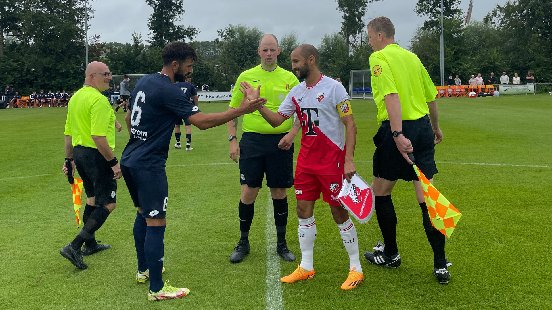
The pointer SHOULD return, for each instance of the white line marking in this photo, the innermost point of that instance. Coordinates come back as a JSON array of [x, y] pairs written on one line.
[[360, 161], [493, 164], [25, 177], [274, 298], [365, 161]]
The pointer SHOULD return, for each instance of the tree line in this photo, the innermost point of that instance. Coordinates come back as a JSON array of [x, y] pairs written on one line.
[[42, 43]]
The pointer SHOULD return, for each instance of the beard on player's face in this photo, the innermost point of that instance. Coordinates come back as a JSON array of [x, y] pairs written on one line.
[[301, 72]]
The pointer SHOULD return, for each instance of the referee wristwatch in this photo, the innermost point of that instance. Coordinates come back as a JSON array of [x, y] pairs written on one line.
[[231, 137], [397, 133]]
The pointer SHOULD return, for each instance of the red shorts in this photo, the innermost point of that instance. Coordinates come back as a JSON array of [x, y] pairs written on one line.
[[308, 187]]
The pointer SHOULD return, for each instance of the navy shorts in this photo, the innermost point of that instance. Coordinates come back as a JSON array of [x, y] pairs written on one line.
[[186, 122], [260, 155], [96, 175], [148, 189], [388, 162]]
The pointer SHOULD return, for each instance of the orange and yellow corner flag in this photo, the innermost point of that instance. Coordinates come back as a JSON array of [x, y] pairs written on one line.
[[444, 216], [76, 188]]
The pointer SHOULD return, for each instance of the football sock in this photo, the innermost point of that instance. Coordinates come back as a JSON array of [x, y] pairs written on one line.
[[177, 136], [280, 218], [139, 232], [188, 139], [88, 209], [94, 222], [436, 239], [387, 220], [307, 235], [154, 248], [349, 236], [246, 213]]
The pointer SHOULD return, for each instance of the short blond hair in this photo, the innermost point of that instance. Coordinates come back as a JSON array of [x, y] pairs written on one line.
[[384, 25]]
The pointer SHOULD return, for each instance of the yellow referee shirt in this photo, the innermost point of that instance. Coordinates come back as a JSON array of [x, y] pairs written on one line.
[[398, 71], [89, 113], [275, 85]]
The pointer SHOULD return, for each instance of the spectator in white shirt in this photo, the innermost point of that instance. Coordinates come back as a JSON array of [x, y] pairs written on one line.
[[516, 79], [504, 78]]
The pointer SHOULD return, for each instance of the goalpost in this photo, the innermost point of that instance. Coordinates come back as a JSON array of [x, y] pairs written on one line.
[[359, 84]]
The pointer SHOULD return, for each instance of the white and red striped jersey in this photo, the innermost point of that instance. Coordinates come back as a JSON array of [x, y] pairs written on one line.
[[319, 108]]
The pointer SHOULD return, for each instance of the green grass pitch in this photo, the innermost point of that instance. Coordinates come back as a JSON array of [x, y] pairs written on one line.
[[495, 166]]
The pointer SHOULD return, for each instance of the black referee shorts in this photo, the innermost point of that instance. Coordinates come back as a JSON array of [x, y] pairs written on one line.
[[260, 155], [96, 175], [388, 162]]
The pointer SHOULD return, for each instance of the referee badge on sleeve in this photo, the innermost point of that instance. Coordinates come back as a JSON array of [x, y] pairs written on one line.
[[376, 70]]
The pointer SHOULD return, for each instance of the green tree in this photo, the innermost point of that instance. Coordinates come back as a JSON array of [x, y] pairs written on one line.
[[431, 10], [238, 51], [162, 22], [48, 51], [10, 20], [526, 32], [352, 24], [334, 56], [287, 44]]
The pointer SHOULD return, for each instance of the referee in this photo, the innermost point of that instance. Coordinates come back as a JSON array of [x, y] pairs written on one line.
[[89, 143], [407, 111], [264, 149]]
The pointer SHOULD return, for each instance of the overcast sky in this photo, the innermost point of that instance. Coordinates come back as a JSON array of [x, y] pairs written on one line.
[[310, 20]]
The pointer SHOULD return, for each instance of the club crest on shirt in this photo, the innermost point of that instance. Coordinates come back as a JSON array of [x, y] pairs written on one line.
[[376, 71], [334, 187], [344, 108], [320, 97]]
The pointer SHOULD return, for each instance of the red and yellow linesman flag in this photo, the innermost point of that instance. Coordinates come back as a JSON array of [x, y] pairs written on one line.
[[76, 188], [444, 216]]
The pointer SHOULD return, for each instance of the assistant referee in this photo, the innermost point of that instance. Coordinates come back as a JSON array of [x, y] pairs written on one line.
[[89, 143]]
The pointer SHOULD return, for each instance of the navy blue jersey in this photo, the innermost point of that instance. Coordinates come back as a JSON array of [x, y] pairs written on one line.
[[156, 105], [188, 89]]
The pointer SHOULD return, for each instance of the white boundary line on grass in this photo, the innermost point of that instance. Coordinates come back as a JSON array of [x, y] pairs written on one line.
[[273, 297], [493, 164], [232, 163]]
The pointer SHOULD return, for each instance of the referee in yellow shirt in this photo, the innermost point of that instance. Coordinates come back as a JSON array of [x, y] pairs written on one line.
[[89, 143], [407, 111], [262, 148]]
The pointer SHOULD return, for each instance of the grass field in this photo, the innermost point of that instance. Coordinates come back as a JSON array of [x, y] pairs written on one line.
[[495, 166]]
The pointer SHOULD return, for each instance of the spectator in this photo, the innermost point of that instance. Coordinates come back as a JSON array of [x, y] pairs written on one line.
[[530, 78], [450, 80], [472, 82], [492, 79], [504, 78], [516, 80], [479, 79], [457, 81]]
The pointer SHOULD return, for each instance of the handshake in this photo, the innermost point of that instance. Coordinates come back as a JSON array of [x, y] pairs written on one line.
[[251, 98]]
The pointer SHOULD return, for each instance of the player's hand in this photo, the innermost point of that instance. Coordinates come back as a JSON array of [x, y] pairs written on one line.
[[286, 142], [249, 92], [438, 135], [404, 145], [117, 174], [234, 150], [349, 169]]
